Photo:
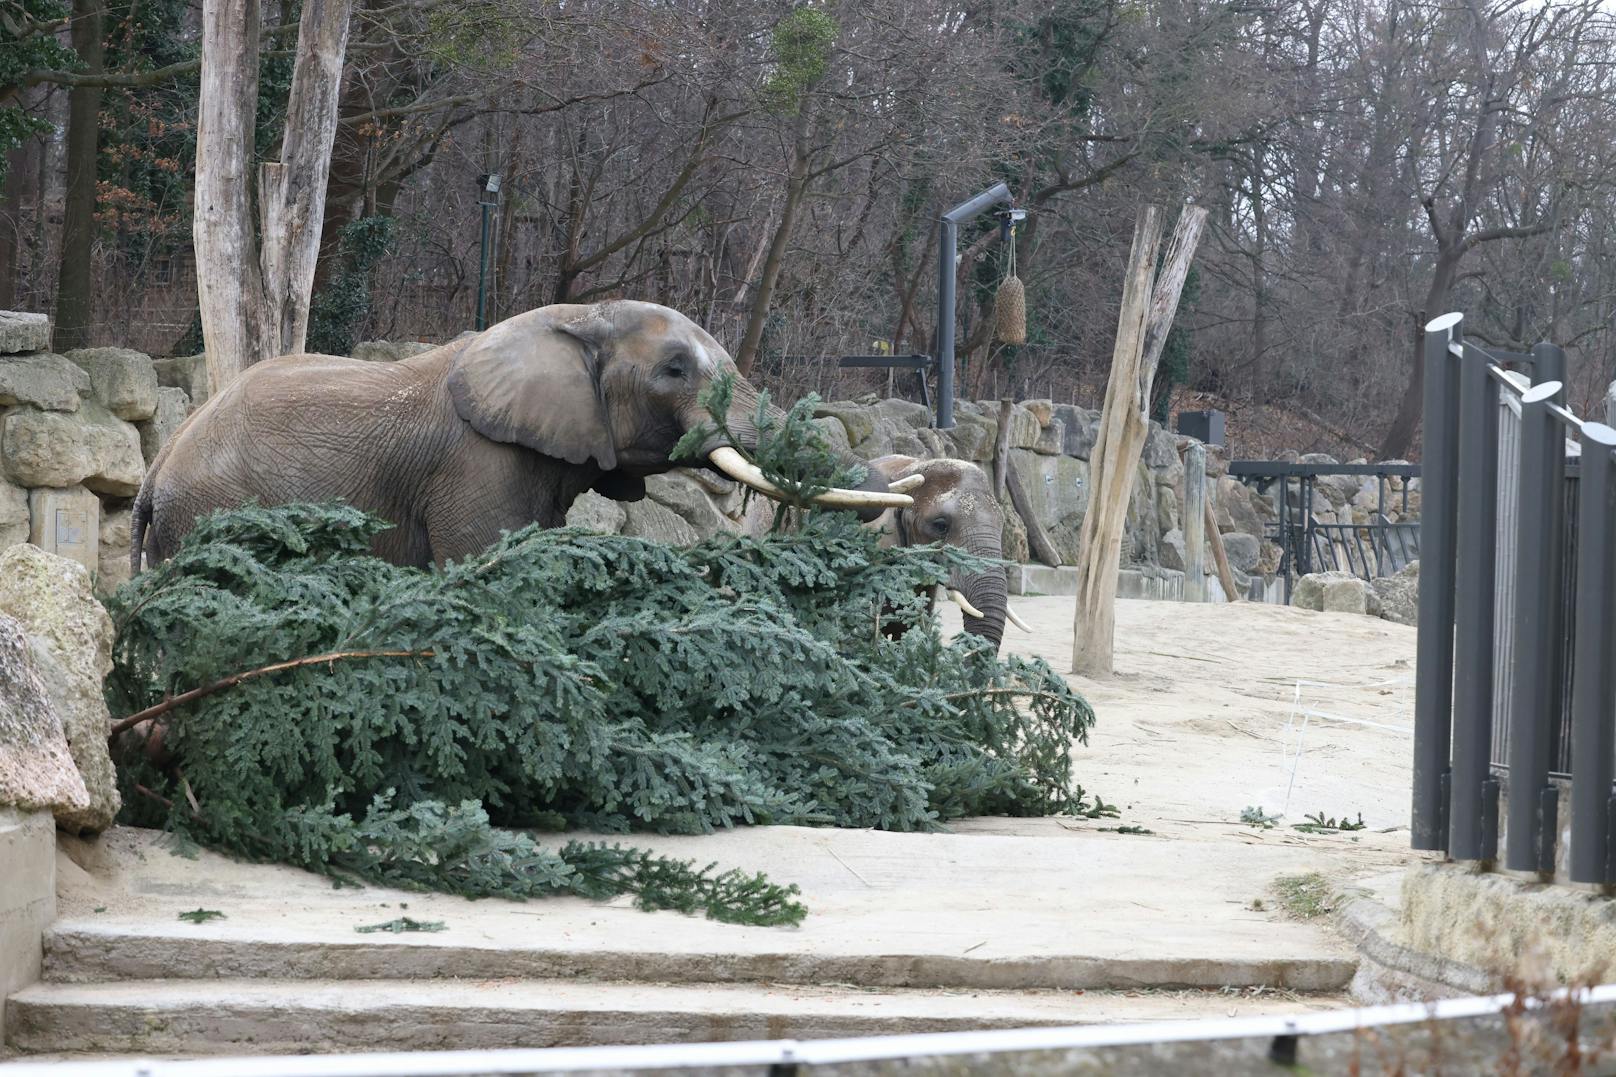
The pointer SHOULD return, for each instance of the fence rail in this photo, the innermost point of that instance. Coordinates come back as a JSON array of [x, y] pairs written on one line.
[[1515, 694]]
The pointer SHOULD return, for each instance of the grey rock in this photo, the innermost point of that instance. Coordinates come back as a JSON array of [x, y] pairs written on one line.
[[1244, 551], [1078, 429], [1167, 509], [1335, 592], [23, 332], [70, 636], [66, 522], [188, 372], [124, 381], [835, 434], [647, 519], [972, 437], [1317, 458], [1236, 508], [592, 512], [112, 571], [1025, 430], [90, 446], [856, 420], [172, 408], [1308, 594], [1172, 551], [1058, 489], [1400, 595], [36, 768], [389, 351], [45, 381], [1015, 535], [676, 490], [1051, 438], [1161, 448], [13, 514]]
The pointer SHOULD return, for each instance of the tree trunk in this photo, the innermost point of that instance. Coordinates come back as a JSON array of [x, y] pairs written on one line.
[[1400, 436], [75, 287], [1148, 305], [229, 283], [796, 187]]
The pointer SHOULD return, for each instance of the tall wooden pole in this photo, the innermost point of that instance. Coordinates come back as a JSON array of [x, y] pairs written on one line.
[[1148, 305], [1195, 523]]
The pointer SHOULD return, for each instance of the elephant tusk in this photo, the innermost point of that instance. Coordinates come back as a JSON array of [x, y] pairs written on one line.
[[1017, 621], [960, 600], [736, 466], [907, 483]]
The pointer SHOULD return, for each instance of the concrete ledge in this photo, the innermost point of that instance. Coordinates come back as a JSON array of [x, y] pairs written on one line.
[[27, 896], [1391, 971], [1140, 581]]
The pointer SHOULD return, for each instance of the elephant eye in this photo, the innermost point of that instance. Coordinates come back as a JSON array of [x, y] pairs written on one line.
[[939, 525], [675, 368]]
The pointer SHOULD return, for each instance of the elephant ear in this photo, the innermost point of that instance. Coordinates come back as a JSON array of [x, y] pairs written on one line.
[[892, 468], [535, 381]]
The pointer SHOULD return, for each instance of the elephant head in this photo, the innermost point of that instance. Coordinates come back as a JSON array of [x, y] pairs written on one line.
[[615, 385], [954, 504]]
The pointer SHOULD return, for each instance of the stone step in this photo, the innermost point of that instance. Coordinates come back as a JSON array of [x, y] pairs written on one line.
[[90, 952], [202, 1017]]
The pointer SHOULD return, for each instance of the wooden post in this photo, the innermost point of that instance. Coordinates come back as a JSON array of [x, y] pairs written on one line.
[[1148, 305], [1215, 540], [1195, 523], [1001, 448]]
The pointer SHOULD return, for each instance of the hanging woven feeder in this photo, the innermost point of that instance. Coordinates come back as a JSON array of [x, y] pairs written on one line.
[[1010, 302]]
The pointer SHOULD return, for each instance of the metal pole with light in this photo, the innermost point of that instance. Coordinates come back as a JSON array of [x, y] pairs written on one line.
[[487, 199]]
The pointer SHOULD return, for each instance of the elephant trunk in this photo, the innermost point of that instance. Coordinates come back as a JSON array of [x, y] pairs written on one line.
[[986, 592]]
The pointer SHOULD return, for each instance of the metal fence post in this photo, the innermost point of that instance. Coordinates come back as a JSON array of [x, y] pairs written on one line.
[[1476, 548], [1593, 690], [1537, 600], [1433, 674], [1195, 523]]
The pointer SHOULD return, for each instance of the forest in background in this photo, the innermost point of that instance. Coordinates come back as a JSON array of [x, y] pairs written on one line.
[[775, 170]]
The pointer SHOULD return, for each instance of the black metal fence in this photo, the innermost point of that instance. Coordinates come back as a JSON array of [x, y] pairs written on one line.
[[1378, 547], [1515, 690]]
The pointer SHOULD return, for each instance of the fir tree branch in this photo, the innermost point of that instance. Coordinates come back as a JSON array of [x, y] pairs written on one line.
[[237, 678]]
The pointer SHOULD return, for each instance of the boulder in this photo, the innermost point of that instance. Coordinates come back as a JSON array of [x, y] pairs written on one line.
[[1167, 509], [1042, 410], [123, 380], [389, 351], [188, 372], [1078, 428], [592, 512], [648, 519], [1400, 595], [1172, 551], [684, 495], [972, 437], [21, 332], [1014, 546], [1318, 458], [1236, 507], [70, 636], [1161, 448], [1243, 551], [1051, 438], [36, 768], [835, 434], [112, 568], [858, 422], [1058, 489], [13, 514], [48, 382], [1025, 430], [172, 408], [90, 446], [1335, 592]]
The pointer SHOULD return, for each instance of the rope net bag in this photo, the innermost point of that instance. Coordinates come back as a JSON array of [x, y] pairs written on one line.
[[1010, 302]]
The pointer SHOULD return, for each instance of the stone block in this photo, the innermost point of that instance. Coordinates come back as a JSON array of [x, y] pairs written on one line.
[[37, 772], [1042, 410], [592, 512], [1058, 489], [90, 446], [27, 896], [1235, 507], [856, 419], [1051, 438], [1161, 448], [1172, 551], [834, 433], [678, 491], [972, 437], [1024, 428], [1400, 595], [188, 372], [112, 569], [13, 514], [122, 380], [48, 382], [1078, 429], [172, 408], [67, 523], [23, 332], [1308, 594], [70, 637], [389, 351]]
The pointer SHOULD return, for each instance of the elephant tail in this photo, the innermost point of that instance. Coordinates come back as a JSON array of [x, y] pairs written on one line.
[[141, 516]]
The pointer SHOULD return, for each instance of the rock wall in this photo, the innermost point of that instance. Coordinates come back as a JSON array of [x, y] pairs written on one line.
[[78, 430]]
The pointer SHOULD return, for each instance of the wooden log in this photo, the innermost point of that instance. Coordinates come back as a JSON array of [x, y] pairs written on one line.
[[1195, 527], [1215, 540], [1146, 315]]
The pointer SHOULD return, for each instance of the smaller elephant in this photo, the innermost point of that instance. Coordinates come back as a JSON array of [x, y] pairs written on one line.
[[956, 505]]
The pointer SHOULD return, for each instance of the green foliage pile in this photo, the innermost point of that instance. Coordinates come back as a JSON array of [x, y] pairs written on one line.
[[568, 679]]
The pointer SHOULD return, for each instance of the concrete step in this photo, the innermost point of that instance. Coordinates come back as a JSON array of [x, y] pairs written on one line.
[[200, 1017], [84, 951]]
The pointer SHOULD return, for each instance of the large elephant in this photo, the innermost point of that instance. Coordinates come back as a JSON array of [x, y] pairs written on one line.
[[954, 504], [455, 445]]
